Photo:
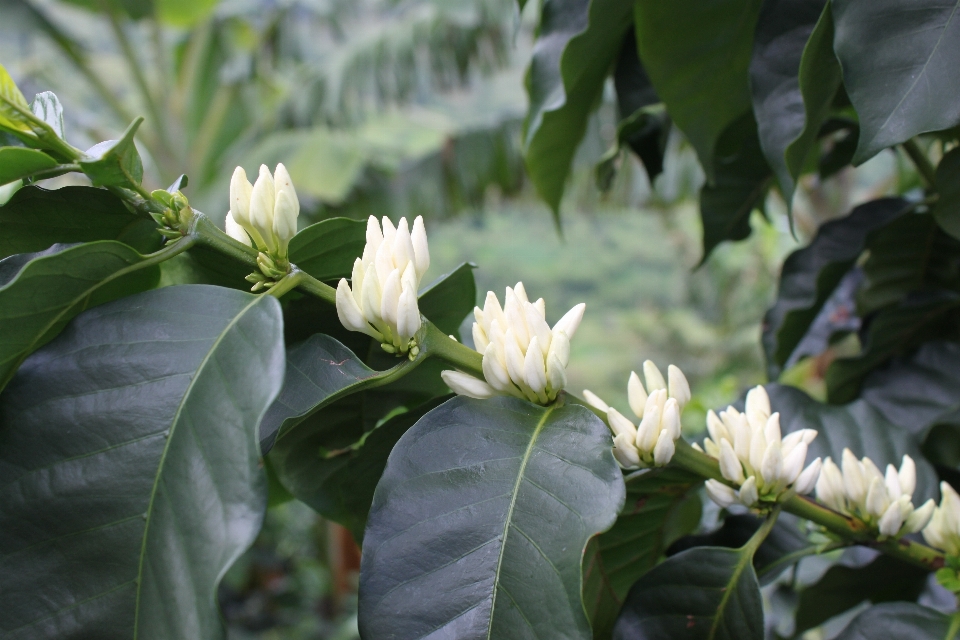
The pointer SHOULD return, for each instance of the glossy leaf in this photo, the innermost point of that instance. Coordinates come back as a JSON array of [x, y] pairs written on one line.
[[487, 505], [741, 180], [20, 162], [129, 465], [894, 331], [947, 209], [811, 274], [577, 43], [697, 55], [841, 588], [899, 61], [12, 103], [327, 249], [857, 426], [918, 390], [115, 162], [897, 621], [661, 506], [705, 593], [47, 107], [793, 77], [36, 218], [40, 293]]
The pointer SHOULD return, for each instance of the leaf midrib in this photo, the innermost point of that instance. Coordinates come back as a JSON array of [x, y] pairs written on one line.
[[166, 448], [746, 557], [506, 525]]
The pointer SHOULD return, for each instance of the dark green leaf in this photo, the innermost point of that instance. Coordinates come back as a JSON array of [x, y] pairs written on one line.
[[841, 588], [741, 179], [487, 505], [898, 621], [911, 254], [43, 294], [918, 390], [840, 153], [661, 505], [450, 298], [129, 465], [706, 593], [339, 484], [179, 184], [793, 77], [697, 55], [857, 426], [646, 132], [47, 107], [811, 274], [115, 162], [577, 43], [899, 64], [36, 218], [947, 209], [892, 332], [327, 249], [648, 138], [20, 162]]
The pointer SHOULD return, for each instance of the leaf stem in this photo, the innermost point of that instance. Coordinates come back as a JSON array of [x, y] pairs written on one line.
[[920, 160], [462, 357], [954, 626]]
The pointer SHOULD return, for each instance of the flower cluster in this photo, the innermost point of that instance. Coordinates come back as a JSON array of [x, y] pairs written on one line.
[[652, 443], [881, 500], [265, 212], [522, 355], [943, 531], [755, 457], [381, 299]]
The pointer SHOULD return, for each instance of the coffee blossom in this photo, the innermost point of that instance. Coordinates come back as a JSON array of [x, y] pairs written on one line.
[[943, 532], [266, 211]]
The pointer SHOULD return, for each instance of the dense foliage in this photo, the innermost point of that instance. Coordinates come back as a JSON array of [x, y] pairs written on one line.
[[151, 403]]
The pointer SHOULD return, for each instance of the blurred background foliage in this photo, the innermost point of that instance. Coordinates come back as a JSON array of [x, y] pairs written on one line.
[[406, 107]]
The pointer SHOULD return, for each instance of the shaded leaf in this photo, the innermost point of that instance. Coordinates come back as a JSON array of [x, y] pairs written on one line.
[[892, 332], [36, 218], [697, 55], [115, 162], [577, 43], [947, 209], [899, 61], [20, 162], [327, 249], [703, 593], [841, 588], [42, 292], [47, 107], [129, 465], [661, 505], [450, 298], [793, 77], [896, 621], [811, 274], [644, 131], [741, 179], [487, 506], [840, 153]]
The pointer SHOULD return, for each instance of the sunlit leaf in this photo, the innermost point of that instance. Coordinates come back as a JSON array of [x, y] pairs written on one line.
[[115, 162], [12, 104], [20, 162]]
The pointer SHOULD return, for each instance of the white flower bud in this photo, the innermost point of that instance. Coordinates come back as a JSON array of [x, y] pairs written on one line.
[[625, 452], [420, 249], [466, 385], [679, 387], [653, 377], [570, 321], [636, 394], [235, 231], [907, 475], [920, 517], [262, 203], [620, 424], [748, 492], [808, 478], [664, 449], [943, 530], [594, 400], [891, 520], [721, 493], [730, 465]]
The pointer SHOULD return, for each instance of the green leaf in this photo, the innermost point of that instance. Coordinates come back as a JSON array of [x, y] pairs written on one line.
[[577, 43], [697, 55], [645, 132], [661, 506], [899, 64], [919, 390], [47, 107], [480, 521], [841, 588], [40, 293], [705, 593], [811, 274], [327, 249], [910, 254], [794, 75], [36, 218], [857, 426], [130, 475], [136, 9], [12, 104], [947, 209], [741, 180], [339, 483], [892, 332], [898, 621], [115, 162], [450, 298], [184, 13], [20, 162]]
